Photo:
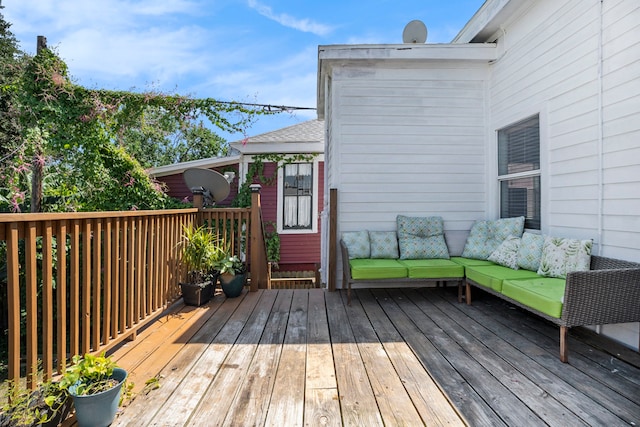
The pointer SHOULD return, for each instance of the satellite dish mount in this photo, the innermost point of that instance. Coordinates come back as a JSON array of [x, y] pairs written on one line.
[[211, 185], [415, 32]]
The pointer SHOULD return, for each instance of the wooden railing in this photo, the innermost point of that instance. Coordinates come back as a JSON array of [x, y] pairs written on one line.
[[85, 282]]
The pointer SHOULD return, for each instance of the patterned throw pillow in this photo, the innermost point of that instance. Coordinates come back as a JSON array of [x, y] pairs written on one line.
[[384, 244], [486, 236], [423, 247], [421, 237], [357, 243], [507, 253], [561, 256], [419, 226], [530, 251]]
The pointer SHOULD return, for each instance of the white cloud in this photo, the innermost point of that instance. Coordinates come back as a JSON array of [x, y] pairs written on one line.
[[304, 25]]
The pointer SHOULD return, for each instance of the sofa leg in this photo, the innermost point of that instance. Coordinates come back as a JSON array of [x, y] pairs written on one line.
[[468, 294], [564, 351]]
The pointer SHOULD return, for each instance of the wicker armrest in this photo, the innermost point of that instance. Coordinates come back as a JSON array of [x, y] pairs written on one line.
[[599, 297]]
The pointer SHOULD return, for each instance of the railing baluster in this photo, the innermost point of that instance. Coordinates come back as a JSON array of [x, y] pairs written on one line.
[[61, 295], [97, 288], [47, 301], [13, 300], [32, 305], [106, 286]]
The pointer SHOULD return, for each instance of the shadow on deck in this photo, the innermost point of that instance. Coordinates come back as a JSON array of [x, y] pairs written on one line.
[[412, 357]]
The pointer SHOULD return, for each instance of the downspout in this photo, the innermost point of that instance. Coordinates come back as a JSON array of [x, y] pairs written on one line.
[[600, 129], [600, 136]]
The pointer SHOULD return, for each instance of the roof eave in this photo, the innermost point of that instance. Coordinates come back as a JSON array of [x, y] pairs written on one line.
[[208, 163], [485, 24]]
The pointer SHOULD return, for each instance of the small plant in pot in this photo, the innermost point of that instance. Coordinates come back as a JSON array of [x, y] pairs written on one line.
[[95, 385], [200, 255], [233, 275]]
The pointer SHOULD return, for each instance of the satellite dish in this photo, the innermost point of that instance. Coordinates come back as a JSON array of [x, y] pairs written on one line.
[[211, 184], [414, 32]]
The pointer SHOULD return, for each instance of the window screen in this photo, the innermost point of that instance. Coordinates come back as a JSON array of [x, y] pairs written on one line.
[[519, 171]]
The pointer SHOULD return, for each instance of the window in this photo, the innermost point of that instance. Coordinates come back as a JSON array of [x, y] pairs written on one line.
[[519, 171], [297, 196]]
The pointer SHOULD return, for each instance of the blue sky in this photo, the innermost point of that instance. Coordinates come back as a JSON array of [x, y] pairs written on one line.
[[262, 51]]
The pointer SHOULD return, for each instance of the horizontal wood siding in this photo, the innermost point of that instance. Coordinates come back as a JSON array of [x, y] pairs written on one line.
[[410, 141], [590, 127]]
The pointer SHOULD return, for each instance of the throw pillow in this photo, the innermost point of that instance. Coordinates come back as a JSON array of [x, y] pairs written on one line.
[[384, 244], [357, 243], [561, 256], [423, 247], [486, 236], [530, 251], [419, 226], [507, 253]]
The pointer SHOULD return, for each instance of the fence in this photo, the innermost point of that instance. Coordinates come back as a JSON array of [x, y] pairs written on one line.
[[85, 282]]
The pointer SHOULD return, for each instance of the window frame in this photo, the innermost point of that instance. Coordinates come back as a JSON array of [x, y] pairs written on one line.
[[314, 201], [533, 173]]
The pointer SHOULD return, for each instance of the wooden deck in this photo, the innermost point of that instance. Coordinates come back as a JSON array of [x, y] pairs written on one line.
[[412, 357]]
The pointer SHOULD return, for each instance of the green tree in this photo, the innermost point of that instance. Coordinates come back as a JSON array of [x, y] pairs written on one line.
[[93, 145]]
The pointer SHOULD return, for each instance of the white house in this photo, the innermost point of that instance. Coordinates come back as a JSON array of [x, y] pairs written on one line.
[[423, 129]]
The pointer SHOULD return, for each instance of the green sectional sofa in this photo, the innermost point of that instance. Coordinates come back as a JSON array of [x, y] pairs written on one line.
[[557, 279]]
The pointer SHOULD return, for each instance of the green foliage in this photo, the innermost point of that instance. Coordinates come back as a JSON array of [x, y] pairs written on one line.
[[231, 264], [201, 252], [272, 241], [90, 374], [93, 145], [256, 172], [30, 407]]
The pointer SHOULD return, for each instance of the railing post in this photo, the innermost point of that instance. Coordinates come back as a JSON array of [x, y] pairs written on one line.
[[257, 248], [333, 237]]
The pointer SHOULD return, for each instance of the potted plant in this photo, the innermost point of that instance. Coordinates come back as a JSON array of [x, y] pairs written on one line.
[[95, 385], [47, 405], [200, 253], [233, 274]]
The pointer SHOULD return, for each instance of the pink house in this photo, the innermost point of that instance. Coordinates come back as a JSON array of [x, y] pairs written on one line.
[[291, 197]]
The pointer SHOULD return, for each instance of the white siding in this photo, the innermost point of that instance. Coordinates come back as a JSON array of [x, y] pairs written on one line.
[[590, 126], [409, 141]]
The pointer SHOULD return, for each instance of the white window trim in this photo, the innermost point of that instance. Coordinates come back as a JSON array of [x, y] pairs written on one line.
[[314, 208]]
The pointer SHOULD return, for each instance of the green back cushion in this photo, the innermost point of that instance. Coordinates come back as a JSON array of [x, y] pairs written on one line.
[[545, 294], [384, 244], [357, 243], [492, 276], [421, 237], [367, 268], [530, 251], [485, 236], [433, 269], [561, 256]]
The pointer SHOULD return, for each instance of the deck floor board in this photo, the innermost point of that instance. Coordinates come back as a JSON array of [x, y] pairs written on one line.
[[394, 357]]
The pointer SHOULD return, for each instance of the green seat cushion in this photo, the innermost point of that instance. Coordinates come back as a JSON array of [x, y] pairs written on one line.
[[432, 268], [492, 276], [468, 262], [367, 268], [545, 294]]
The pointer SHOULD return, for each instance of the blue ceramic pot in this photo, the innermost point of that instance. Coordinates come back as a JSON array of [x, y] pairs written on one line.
[[99, 410], [232, 285]]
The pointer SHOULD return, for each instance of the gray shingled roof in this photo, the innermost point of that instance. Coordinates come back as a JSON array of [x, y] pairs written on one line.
[[310, 131]]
